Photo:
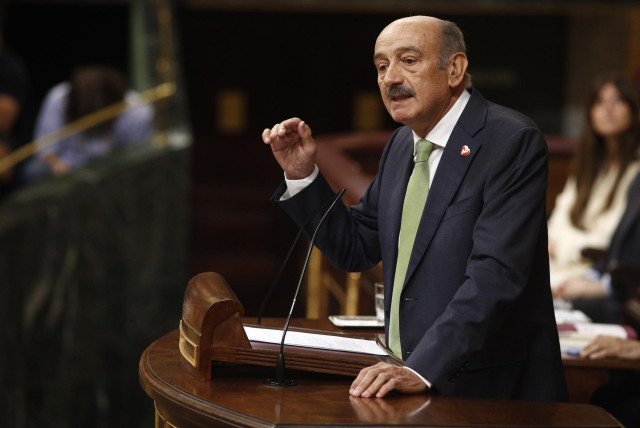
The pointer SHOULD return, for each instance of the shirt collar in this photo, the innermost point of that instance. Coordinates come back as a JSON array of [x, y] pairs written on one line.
[[440, 133]]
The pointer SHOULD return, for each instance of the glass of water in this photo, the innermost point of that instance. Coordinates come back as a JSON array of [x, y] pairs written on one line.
[[379, 295]]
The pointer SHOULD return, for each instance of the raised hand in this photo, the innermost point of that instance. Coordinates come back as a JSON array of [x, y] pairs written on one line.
[[292, 146]]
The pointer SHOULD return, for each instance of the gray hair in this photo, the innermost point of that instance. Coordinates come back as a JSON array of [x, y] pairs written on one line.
[[451, 42]]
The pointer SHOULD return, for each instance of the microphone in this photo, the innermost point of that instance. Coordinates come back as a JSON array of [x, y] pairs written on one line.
[[275, 281], [280, 366]]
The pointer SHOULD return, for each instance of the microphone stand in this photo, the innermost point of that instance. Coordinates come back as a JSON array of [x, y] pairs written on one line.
[[275, 281], [280, 366], [272, 287]]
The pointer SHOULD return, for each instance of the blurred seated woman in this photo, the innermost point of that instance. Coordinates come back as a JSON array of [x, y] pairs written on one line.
[[89, 90], [594, 198]]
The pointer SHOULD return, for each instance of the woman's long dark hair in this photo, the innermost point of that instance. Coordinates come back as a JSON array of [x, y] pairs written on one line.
[[93, 88], [592, 155]]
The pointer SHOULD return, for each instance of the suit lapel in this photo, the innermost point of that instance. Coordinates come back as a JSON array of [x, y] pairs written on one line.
[[450, 173]]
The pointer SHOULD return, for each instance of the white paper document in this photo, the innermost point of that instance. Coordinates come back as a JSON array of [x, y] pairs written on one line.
[[595, 329], [583, 333], [356, 321], [568, 316], [314, 340]]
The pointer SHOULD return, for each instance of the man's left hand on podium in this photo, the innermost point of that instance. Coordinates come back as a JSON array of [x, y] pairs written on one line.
[[383, 378]]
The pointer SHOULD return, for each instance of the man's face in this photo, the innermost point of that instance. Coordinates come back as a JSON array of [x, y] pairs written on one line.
[[414, 90]]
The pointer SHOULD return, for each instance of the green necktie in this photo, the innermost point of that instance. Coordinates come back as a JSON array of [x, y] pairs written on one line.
[[414, 200]]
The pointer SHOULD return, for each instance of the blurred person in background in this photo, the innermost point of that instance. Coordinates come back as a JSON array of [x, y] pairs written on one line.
[[90, 89], [618, 273], [13, 105], [590, 207]]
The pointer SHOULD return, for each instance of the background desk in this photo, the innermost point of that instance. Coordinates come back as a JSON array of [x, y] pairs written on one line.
[[585, 376], [237, 397]]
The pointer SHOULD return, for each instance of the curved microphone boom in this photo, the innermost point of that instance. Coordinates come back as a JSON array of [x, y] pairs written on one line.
[[276, 279], [280, 380], [267, 297]]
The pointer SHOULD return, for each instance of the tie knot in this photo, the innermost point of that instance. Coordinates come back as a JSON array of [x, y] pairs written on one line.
[[423, 150]]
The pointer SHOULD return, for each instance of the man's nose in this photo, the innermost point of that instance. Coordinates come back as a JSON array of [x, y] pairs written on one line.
[[393, 76]]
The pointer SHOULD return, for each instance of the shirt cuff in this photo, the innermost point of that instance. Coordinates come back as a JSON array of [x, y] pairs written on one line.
[[420, 376], [296, 186], [604, 279]]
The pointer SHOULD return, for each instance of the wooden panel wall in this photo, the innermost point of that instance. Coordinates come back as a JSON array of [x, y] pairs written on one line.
[[246, 70]]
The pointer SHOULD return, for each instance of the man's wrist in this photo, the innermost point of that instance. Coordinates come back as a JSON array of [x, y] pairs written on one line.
[[426, 382], [296, 186], [302, 175]]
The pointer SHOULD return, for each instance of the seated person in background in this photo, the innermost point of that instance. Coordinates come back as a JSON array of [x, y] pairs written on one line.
[[13, 100], [620, 397], [624, 250], [591, 204], [90, 89]]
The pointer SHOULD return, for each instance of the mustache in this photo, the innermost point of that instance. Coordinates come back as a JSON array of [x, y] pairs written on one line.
[[400, 90]]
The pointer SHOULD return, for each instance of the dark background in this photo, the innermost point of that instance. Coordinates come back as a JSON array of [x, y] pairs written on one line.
[[306, 64]]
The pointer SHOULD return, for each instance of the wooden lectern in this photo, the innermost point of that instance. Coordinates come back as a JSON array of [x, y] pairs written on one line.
[[211, 331]]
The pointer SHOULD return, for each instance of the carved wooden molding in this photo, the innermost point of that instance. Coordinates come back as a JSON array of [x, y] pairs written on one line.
[[210, 317], [211, 330]]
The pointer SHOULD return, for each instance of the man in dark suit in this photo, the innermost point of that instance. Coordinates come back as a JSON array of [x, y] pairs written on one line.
[[470, 309]]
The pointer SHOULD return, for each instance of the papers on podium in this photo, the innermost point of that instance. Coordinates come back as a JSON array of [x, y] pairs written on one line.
[[315, 340], [356, 321]]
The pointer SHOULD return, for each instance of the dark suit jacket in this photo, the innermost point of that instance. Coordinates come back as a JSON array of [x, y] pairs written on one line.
[[624, 249], [625, 243], [476, 315]]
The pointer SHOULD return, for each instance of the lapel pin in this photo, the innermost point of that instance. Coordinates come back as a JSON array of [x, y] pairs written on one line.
[[465, 150]]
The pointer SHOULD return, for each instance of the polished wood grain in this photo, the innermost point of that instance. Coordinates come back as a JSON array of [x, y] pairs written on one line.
[[210, 318], [236, 396], [585, 376]]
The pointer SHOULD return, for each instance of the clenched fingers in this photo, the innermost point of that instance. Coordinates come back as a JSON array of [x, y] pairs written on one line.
[[289, 126]]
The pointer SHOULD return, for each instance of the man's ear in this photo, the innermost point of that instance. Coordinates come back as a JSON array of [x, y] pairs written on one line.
[[456, 69]]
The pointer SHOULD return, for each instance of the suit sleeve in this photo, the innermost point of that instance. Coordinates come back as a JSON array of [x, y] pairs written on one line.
[[509, 232], [349, 237]]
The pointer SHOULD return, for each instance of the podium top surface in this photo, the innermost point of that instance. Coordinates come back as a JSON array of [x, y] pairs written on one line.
[[236, 396]]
